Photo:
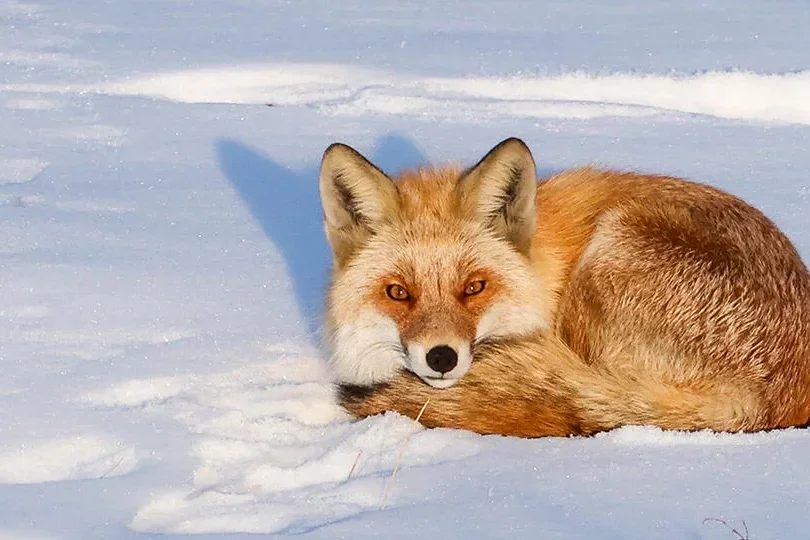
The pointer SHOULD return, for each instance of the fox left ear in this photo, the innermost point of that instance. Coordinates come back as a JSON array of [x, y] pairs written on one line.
[[357, 199], [501, 189]]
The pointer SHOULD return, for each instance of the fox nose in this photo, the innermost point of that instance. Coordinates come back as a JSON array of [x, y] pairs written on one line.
[[441, 358]]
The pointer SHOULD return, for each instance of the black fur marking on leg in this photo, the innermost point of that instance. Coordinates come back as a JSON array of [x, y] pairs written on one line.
[[353, 392]]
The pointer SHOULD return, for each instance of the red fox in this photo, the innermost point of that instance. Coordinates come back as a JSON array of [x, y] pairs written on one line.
[[587, 301]]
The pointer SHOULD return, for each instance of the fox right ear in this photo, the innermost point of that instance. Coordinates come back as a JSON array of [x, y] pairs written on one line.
[[356, 196], [501, 189]]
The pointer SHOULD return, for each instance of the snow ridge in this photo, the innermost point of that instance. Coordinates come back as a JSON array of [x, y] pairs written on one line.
[[340, 89]]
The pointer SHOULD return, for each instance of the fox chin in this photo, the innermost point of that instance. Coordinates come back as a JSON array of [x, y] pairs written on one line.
[[585, 301]]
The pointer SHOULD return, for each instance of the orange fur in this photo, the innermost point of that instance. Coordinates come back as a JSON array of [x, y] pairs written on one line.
[[655, 301]]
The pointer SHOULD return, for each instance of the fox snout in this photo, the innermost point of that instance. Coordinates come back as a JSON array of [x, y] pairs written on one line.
[[439, 364]]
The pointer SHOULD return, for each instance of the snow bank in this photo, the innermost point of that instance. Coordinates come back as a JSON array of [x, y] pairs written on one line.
[[779, 97]]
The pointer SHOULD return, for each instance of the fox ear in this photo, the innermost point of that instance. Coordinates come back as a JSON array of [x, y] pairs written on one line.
[[501, 189], [356, 196]]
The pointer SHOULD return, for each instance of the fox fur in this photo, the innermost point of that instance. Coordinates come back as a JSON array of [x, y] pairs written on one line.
[[585, 301]]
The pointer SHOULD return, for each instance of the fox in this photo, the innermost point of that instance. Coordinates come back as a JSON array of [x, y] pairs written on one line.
[[486, 299]]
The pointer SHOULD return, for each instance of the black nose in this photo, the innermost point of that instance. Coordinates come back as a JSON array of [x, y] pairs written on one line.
[[442, 359]]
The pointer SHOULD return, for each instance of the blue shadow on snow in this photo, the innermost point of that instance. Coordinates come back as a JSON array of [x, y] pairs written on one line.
[[287, 205]]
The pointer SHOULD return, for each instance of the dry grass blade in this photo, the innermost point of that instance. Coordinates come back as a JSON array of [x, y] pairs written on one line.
[[730, 528], [109, 471], [354, 466], [390, 484]]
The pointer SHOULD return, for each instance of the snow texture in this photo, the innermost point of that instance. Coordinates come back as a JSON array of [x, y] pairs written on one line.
[[163, 259]]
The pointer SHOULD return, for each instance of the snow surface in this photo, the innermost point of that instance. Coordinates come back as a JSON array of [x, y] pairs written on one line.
[[162, 258]]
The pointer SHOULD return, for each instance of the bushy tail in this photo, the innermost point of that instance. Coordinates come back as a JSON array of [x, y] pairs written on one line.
[[608, 401], [536, 386]]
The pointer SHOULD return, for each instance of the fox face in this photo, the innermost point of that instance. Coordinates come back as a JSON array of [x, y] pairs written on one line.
[[427, 265]]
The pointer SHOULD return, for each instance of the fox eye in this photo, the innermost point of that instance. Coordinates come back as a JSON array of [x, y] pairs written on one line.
[[474, 287], [397, 292]]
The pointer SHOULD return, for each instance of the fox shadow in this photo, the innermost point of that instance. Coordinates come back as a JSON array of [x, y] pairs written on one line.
[[286, 204]]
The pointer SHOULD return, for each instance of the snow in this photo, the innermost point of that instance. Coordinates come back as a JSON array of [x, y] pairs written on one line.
[[343, 89], [79, 457], [163, 261]]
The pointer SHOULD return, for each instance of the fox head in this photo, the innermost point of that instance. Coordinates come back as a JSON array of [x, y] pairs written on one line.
[[428, 264]]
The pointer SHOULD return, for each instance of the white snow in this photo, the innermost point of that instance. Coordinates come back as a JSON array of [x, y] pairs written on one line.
[[65, 458], [162, 258], [20, 170], [358, 91]]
